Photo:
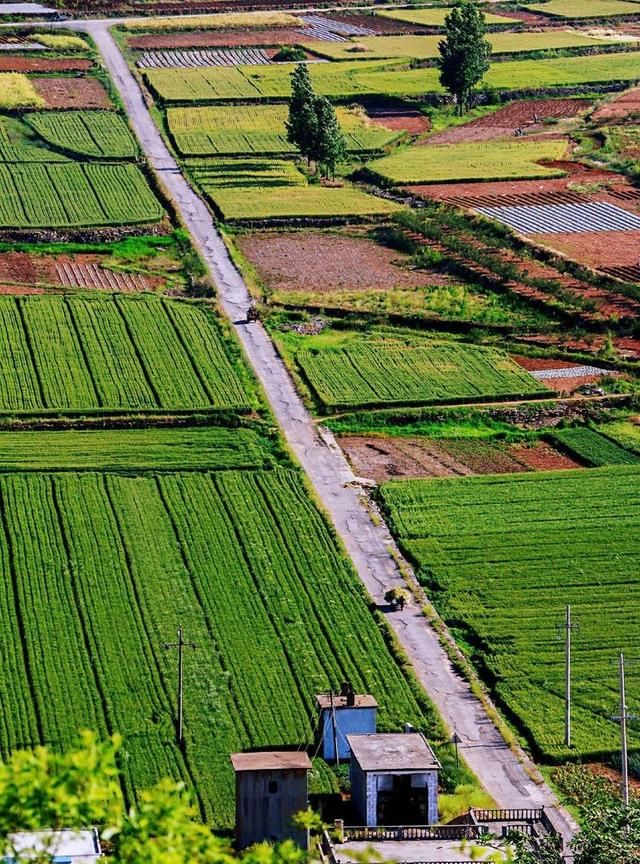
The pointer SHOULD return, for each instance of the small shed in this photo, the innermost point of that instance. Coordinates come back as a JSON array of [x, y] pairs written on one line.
[[394, 779], [351, 714], [271, 787], [64, 847]]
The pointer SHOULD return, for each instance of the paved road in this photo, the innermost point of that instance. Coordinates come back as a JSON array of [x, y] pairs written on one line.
[[500, 772]]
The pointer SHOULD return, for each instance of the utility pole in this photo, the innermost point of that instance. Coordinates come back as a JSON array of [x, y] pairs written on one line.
[[180, 645], [334, 727], [568, 626]]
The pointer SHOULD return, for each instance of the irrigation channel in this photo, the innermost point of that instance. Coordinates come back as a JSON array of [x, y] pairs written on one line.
[[508, 775]]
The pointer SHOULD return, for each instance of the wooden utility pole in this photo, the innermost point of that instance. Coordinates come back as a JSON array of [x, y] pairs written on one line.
[[622, 718], [180, 645], [568, 626]]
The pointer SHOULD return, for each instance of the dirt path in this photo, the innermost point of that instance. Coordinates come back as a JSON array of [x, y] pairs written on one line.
[[501, 773]]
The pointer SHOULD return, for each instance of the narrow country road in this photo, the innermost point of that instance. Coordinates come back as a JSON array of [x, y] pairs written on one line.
[[501, 773]]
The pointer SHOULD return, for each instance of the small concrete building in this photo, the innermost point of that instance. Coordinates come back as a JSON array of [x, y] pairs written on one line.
[[394, 779], [64, 847], [354, 715], [271, 787]]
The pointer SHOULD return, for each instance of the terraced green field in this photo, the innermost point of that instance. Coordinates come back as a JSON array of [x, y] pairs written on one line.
[[259, 129], [97, 134], [75, 194], [501, 556], [242, 560], [380, 77], [375, 372], [594, 449], [481, 160], [435, 17], [79, 354], [426, 47], [590, 9], [157, 448]]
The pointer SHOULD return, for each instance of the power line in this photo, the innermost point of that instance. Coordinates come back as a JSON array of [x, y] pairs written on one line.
[[564, 632], [623, 718], [180, 645]]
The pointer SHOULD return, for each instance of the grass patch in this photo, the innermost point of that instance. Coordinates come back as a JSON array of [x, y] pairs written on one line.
[[589, 9], [470, 161], [435, 17]]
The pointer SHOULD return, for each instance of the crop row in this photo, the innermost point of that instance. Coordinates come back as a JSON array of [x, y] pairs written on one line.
[[502, 556], [593, 448], [98, 570], [98, 134], [366, 372], [34, 195], [381, 77], [83, 354], [205, 131]]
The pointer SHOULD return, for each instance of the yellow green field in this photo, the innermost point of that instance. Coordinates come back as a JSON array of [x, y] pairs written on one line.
[[491, 160], [586, 8], [435, 17]]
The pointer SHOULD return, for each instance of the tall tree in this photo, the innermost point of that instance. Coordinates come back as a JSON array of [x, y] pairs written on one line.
[[330, 145], [302, 123], [464, 52]]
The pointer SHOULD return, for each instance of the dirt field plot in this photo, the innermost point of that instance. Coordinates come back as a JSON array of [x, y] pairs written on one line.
[[523, 114], [564, 218], [626, 105], [324, 263], [43, 64], [211, 39], [72, 92], [20, 271], [611, 251], [192, 59], [542, 456]]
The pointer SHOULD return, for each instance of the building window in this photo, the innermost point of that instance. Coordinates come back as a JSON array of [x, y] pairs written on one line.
[[273, 787]]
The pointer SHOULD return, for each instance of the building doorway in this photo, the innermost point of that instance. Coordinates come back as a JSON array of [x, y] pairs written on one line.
[[401, 803]]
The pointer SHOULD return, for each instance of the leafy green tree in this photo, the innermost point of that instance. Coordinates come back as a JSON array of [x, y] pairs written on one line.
[[43, 790], [464, 52], [302, 122], [330, 145], [610, 833]]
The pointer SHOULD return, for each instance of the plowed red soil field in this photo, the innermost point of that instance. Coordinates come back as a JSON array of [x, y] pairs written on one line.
[[523, 114], [543, 457], [322, 263], [72, 92], [21, 273], [412, 122], [619, 108], [598, 249], [537, 364], [212, 39], [43, 64]]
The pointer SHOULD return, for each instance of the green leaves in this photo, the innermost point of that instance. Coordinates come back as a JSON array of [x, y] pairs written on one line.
[[464, 52]]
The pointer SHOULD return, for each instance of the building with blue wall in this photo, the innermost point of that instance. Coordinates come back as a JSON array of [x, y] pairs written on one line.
[[352, 715]]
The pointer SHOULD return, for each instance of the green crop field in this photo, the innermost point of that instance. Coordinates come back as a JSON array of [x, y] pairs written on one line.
[[157, 448], [368, 371], [381, 77], [256, 129], [482, 160], [435, 17], [586, 8], [502, 555], [97, 570], [594, 449], [313, 202], [426, 47], [77, 354], [260, 173], [74, 195], [98, 134], [625, 433]]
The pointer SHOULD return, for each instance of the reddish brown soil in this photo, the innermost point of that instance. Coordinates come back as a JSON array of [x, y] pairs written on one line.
[[72, 92], [383, 459], [521, 15], [21, 273], [412, 122], [483, 457], [614, 776], [626, 347], [42, 64], [323, 263], [597, 248], [217, 39], [536, 364], [543, 457], [380, 24], [502, 123], [619, 108]]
